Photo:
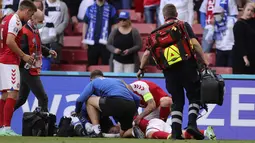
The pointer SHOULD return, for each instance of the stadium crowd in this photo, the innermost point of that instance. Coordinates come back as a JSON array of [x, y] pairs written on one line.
[[101, 35]]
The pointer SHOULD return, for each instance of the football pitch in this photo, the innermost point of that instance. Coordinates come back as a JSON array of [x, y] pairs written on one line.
[[102, 140]]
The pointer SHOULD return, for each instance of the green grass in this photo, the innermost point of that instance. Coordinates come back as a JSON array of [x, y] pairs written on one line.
[[101, 140]]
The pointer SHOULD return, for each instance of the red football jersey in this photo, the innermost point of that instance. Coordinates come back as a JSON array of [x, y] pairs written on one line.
[[11, 24], [143, 87]]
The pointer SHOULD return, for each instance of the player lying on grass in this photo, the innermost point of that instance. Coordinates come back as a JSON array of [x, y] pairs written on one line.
[[158, 129]]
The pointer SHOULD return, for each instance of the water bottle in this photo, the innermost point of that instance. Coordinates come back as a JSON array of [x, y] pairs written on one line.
[[27, 65]]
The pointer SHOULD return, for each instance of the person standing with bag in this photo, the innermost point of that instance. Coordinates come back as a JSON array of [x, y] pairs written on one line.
[[30, 79], [174, 54]]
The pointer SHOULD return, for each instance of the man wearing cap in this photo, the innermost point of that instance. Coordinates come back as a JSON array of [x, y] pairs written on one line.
[[98, 22], [222, 33]]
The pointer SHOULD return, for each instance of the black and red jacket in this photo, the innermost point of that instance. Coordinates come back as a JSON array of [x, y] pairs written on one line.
[[31, 45]]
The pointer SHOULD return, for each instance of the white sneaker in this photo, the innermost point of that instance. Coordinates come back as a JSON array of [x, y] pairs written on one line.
[[9, 132], [210, 133]]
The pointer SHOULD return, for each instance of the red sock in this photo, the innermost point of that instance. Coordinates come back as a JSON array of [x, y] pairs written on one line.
[[164, 113], [143, 124], [2, 103], [187, 135], [160, 135], [202, 131], [8, 111]]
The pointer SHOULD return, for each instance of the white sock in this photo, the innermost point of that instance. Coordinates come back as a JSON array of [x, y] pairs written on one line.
[[97, 129], [111, 135], [205, 133], [7, 128]]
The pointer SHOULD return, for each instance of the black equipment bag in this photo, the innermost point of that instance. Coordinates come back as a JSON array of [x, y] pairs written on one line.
[[212, 87], [38, 124], [65, 127]]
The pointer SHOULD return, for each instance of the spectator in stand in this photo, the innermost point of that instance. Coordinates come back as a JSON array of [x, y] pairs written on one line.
[[121, 4], [124, 43], [8, 5], [197, 4], [39, 4], [222, 33], [243, 50], [126, 4], [241, 3], [151, 8], [73, 6], [206, 15], [117, 4], [139, 8], [83, 8], [99, 19], [185, 9], [56, 19]]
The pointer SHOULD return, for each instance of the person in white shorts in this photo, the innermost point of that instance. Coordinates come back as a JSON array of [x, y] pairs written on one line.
[[158, 129], [10, 55]]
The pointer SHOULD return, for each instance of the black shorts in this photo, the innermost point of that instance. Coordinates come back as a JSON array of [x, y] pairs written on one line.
[[106, 124], [121, 109]]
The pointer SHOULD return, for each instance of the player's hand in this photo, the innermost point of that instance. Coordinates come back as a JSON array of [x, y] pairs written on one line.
[[53, 53], [137, 120], [140, 74], [28, 59]]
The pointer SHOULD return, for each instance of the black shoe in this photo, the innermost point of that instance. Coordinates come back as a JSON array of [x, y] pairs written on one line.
[[195, 133], [95, 135], [177, 137], [138, 132]]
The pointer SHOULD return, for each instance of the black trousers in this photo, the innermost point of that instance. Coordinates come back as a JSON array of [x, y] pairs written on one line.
[[223, 58], [182, 76], [98, 51], [33, 83]]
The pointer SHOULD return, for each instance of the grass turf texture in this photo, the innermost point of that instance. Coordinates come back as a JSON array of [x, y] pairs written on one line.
[[102, 140]]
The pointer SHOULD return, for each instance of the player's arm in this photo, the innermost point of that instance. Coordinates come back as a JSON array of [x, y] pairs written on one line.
[[86, 93], [13, 29], [10, 42], [151, 105], [142, 88]]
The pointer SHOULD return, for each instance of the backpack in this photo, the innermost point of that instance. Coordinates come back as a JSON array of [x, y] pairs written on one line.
[[212, 87], [38, 123], [65, 127], [169, 44]]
